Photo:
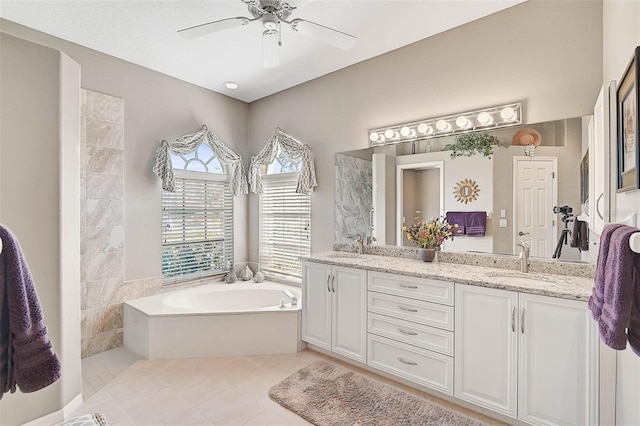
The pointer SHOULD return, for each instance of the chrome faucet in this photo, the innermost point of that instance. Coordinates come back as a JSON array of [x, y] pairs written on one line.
[[294, 299], [524, 256], [359, 243]]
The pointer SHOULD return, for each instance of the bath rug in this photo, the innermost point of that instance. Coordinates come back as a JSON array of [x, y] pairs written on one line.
[[325, 394]]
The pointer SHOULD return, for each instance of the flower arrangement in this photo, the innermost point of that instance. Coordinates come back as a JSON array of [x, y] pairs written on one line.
[[431, 234]]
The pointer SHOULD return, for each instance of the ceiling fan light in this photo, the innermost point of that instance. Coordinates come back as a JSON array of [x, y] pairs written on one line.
[[270, 21], [328, 35], [270, 49]]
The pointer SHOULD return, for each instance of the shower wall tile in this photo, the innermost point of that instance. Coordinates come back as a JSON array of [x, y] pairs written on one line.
[[105, 160], [104, 342], [111, 318], [104, 213], [102, 293], [100, 266], [104, 239], [353, 197], [103, 186], [104, 107], [104, 134]]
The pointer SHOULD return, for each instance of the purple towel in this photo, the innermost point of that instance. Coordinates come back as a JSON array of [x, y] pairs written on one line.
[[476, 224], [457, 218], [614, 302], [27, 359]]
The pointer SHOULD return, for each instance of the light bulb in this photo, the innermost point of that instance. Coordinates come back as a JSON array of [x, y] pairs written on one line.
[[462, 121], [405, 131], [423, 128], [389, 134], [442, 125], [508, 114], [374, 136], [484, 118]]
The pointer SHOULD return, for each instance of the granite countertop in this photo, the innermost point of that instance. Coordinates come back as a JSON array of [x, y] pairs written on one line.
[[562, 286]]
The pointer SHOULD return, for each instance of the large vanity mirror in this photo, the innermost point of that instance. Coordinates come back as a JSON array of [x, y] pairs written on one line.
[[523, 191]]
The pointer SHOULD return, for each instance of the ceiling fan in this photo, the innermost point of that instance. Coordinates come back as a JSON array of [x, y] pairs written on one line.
[[272, 13]]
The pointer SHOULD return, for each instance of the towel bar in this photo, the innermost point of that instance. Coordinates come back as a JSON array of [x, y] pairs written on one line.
[[634, 242]]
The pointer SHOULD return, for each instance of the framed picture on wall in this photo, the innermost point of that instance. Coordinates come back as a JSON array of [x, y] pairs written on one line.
[[628, 100]]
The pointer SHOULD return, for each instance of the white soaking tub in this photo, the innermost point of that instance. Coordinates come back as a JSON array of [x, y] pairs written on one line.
[[214, 320]]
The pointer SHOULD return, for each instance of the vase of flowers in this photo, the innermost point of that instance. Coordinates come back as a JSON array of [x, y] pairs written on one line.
[[429, 236]]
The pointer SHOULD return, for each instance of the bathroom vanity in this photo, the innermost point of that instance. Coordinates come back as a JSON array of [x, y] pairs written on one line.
[[521, 345]]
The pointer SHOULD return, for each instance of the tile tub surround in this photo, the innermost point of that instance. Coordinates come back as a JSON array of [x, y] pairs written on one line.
[[102, 223], [537, 266], [566, 287]]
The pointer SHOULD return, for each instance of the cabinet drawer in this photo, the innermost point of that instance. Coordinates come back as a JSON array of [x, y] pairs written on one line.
[[417, 288], [430, 338], [418, 311], [417, 365]]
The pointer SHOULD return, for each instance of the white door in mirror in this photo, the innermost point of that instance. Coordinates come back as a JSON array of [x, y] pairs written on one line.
[[534, 198]]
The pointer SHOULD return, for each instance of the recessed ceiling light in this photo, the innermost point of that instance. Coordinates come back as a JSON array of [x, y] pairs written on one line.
[[231, 85]]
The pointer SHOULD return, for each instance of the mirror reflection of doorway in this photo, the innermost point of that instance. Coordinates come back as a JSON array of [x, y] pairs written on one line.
[[535, 192], [420, 195]]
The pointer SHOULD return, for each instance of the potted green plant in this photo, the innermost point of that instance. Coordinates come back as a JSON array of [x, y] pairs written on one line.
[[474, 143]]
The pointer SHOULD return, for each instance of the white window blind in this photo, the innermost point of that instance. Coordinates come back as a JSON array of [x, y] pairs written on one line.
[[197, 227], [285, 225]]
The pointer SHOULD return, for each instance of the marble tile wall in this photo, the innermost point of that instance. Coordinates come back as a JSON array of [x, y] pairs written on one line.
[[353, 197], [102, 223]]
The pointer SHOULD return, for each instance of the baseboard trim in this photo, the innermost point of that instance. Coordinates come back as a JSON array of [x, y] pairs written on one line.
[[57, 416]]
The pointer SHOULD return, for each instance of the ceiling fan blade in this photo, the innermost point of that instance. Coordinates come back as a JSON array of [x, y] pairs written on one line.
[[270, 49], [212, 27], [328, 35]]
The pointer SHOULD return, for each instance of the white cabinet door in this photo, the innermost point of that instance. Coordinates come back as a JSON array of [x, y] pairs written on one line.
[[486, 347], [349, 289], [316, 304], [557, 362]]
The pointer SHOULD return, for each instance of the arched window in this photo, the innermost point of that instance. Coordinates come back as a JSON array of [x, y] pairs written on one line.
[[197, 219], [285, 219]]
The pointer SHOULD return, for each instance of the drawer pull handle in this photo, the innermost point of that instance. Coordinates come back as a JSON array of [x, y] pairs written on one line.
[[402, 308], [407, 361], [410, 333], [413, 287]]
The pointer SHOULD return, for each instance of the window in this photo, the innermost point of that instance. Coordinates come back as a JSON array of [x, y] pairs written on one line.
[[285, 220], [197, 219]]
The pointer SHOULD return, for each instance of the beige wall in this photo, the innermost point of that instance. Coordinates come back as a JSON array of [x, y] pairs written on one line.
[[539, 53], [157, 107], [621, 35], [40, 202]]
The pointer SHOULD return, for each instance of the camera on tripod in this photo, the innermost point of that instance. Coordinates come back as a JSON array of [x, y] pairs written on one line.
[[567, 213], [562, 210]]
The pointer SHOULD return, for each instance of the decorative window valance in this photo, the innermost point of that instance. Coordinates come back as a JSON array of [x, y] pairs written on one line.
[[291, 148], [189, 143]]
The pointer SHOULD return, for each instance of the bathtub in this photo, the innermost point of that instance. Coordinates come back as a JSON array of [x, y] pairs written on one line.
[[214, 320]]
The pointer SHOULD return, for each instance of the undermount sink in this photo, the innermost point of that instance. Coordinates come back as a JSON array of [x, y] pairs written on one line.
[[525, 278], [345, 255]]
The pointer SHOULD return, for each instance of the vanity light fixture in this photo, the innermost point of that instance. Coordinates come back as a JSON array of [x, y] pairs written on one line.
[[466, 122]]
